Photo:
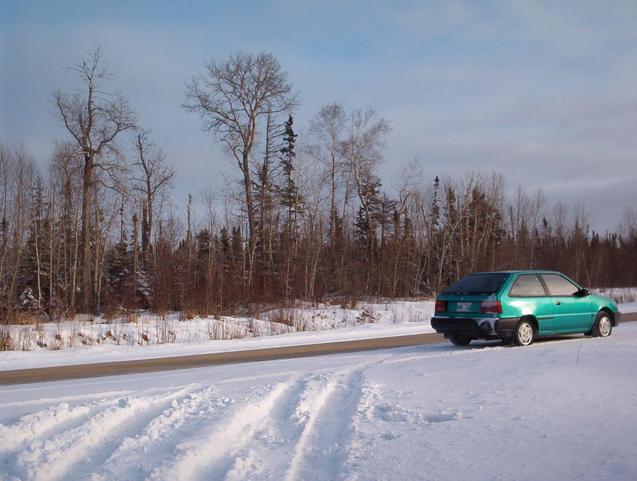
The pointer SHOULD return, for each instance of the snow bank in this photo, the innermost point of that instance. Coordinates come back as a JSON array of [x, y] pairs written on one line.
[[72, 342], [621, 295], [149, 329]]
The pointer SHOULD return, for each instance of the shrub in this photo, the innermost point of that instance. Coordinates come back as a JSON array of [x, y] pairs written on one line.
[[6, 341]]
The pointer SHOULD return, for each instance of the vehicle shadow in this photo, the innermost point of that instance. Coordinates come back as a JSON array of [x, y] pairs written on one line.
[[479, 345]]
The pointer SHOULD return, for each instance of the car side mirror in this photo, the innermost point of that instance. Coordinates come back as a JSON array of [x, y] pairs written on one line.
[[583, 293]]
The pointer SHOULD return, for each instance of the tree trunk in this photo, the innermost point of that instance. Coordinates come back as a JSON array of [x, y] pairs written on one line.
[[85, 238], [252, 230]]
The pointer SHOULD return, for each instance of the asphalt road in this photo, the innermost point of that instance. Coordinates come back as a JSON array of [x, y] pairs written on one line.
[[57, 373]]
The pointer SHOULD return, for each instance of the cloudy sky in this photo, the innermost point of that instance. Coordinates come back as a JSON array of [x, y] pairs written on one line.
[[543, 92]]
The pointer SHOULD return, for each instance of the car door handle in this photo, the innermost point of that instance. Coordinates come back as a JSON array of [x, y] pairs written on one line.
[[558, 303]]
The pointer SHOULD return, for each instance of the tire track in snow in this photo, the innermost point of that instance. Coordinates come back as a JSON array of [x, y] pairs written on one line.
[[47, 423], [83, 446], [159, 435], [320, 451], [215, 450], [309, 410], [267, 455], [289, 430], [35, 425]]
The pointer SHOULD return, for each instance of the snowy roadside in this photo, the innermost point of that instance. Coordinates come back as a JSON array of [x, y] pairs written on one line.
[[10, 360], [327, 324], [629, 307], [621, 295], [125, 341]]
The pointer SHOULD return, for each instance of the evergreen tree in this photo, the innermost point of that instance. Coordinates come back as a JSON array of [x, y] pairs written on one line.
[[289, 195], [34, 268], [435, 204], [224, 243], [118, 261], [369, 213]]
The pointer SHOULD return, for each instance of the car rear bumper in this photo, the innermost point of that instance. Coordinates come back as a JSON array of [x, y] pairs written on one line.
[[477, 328], [617, 317]]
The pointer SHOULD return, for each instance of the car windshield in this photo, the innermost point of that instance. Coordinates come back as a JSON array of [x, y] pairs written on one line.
[[478, 284]]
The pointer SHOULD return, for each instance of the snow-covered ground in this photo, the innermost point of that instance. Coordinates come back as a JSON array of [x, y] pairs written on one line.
[[559, 409]]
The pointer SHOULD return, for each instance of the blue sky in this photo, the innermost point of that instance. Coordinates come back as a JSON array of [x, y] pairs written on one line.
[[544, 92]]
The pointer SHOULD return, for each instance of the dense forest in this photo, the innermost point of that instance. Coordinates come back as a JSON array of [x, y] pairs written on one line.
[[307, 216]]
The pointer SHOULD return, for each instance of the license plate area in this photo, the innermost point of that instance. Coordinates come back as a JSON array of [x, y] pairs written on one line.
[[464, 306]]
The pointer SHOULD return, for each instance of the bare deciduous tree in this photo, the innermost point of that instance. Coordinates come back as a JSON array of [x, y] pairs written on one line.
[[66, 174], [154, 176], [18, 173], [232, 97], [94, 118], [328, 126], [362, 149]]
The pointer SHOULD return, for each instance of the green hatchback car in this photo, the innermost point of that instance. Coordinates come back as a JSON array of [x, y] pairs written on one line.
[[518, 306]]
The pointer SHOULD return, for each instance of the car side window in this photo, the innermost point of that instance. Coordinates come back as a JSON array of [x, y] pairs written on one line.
[[527, 285], [559, 286]]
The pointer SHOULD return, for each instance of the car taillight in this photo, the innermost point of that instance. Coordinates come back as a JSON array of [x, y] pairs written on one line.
[[491, 307], [441, 306]]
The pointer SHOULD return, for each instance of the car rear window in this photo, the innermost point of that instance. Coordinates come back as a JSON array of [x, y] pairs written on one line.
[[527, 285], [478, 284]]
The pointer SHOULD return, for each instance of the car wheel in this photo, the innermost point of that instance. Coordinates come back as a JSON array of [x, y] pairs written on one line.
[[524, 334], [603, 325], [459, 339]]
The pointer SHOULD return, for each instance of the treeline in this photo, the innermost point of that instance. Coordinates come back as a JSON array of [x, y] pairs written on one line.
[[308, 217]]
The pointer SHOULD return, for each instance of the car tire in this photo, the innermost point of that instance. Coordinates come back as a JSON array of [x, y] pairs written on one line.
[[603, 326], [524, 333], [459, 339]]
